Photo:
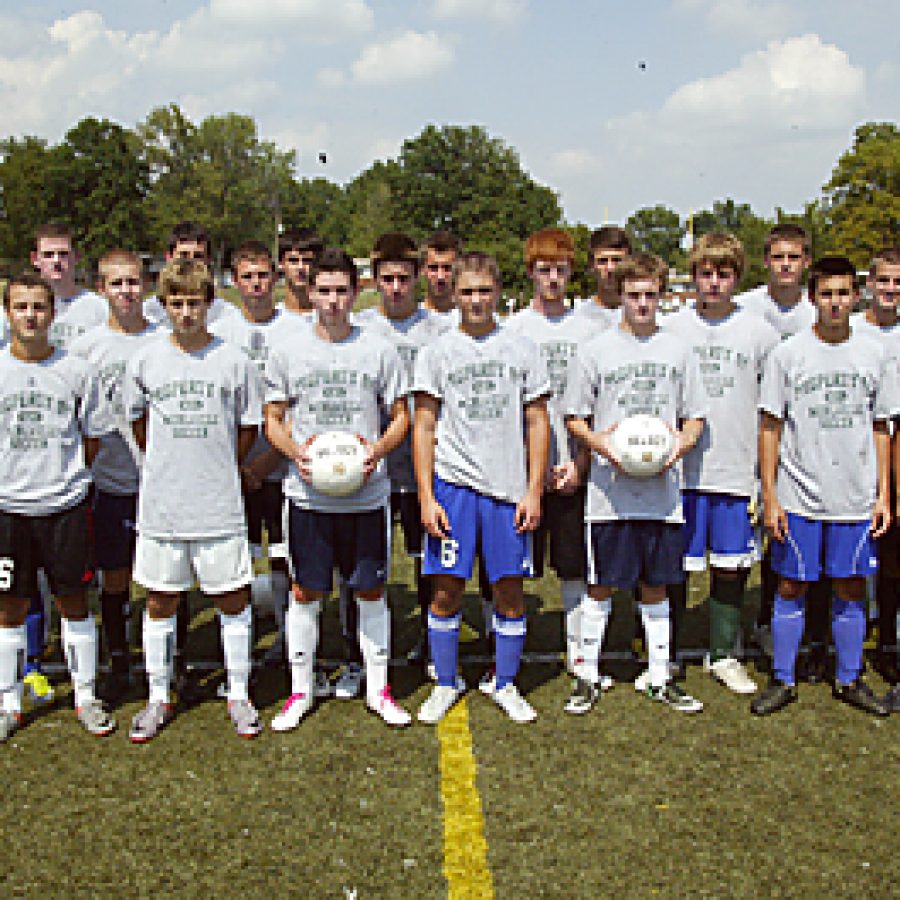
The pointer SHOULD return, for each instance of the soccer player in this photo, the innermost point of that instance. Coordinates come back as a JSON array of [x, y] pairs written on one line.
[[478, 390], [439, 252], [609, 247], [731, 346], [107, 349], [634, 524], [194, 403], [558, 332], [337, 378], [826, 396], [49, 422], [297, 248]]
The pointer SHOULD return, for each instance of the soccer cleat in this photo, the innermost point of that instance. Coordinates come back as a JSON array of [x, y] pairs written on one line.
[[606, 683], [10, 722], [39, 687], [514, 704], [388, 708], [776, 696], [438, 704], [675, 696], [892, 699], [245, 718], [488, 681], [95, 719], [642, 682], [149, 722], [295, 708], [583, 697], [461, 685], [348, 685], [732, 674], [322, 687], [860, 695]]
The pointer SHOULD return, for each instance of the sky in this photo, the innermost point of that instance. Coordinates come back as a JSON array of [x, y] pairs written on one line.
[[614, 105]]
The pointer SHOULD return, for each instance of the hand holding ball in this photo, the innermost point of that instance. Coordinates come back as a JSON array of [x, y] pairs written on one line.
[[642, 444], [336, 463]]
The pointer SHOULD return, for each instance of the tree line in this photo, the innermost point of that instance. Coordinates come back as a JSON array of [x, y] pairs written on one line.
[[116, 186]]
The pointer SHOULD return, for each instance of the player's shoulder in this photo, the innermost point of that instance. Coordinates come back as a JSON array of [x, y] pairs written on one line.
[[86, 342]]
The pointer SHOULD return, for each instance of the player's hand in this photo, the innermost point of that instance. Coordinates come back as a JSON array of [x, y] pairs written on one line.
[[303, 461], [881, 518], [565, 478], [434, 519], [679, 448], [528, 512], [775, 519], [370, 463], [604, 448]]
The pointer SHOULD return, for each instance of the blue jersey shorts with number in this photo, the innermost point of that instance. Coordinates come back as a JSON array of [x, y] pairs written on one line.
[[813, 547], [475, 518], [719, 524]]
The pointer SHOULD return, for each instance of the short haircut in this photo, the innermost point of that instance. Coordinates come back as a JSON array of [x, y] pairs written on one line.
[[720, 250], [786, 231], [118, 257], [305, 239], [552, 244], [51, 230], [830, 267], [610, 237], [26, 280], [890, 256], [253, 251], [395, 247], [185, 276], [476, 261], [642, 267], [192, 232], [333, 259], [442, 242]]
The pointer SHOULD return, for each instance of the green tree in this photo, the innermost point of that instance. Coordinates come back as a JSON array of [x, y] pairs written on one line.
[[657, 229], [25, 195], [314, 203], [367, 208]]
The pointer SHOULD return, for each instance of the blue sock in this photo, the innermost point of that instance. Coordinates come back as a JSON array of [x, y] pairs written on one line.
[[787, 631], [848, 628], [509, 633], [34, 634], [443, 641]]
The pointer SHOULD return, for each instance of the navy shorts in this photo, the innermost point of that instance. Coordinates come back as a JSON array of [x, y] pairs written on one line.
[[813, 548], [115, 531], [405, 510], [477, 519], [265, 510], [357, 543], [622, 554], [720, 524]]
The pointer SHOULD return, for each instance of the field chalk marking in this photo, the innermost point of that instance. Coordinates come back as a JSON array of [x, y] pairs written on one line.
[[465, 846]]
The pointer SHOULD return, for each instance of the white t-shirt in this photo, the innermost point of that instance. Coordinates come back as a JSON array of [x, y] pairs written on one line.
[[617, 375], [786, 320], [195, 404], [600, 316], [889, 338], [75, 316]]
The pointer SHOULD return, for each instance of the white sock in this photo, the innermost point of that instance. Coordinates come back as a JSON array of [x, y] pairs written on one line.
[[572, 592], [236, 639], [375, 643], [80, 642], [595, 616], [487, 610], [302, 629], [655, 617], [12, 665], [159, 651], [281, 596]]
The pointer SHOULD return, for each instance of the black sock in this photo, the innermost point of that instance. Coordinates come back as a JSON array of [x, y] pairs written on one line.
[[115, 612]]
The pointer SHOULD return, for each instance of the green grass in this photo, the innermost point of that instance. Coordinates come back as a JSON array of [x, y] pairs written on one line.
[[631, 800]]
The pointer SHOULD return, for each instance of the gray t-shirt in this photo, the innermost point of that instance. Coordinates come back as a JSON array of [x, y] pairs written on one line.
[[342, 386], [786, 320], [75, 316], [483, 385], [46, 409], [408, 336], [155, 312], [890, 340], [116, 466], [600, 316], [617, 375], [195, 403], [827, 396], [731, 353]]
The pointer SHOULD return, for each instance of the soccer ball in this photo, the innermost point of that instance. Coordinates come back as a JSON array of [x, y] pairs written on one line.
[[642, 444], [336, 462]]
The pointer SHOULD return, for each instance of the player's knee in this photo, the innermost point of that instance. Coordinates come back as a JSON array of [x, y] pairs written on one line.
[[850, 589], [373, 594], [509, 598], [791, 590], [116, 581], [162, 606], [73, 606], [304, 594], [651, 594], [13, 611], [233, 602]]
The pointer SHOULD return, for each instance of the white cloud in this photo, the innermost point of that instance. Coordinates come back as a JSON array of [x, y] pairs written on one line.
[[745, 18], [330, 78], [317, 20], [504, 11], [308, 139], [411, 56]]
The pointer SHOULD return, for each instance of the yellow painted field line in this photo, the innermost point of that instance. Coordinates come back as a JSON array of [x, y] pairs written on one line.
[[465, 846]]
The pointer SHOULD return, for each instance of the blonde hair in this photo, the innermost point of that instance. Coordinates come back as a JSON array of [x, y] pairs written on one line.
[[185, 276], [118, 257], [720, 250], [476, 261], [642, 267]]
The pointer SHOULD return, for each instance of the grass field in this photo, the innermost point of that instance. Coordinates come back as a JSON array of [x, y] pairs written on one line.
[[631, 800]]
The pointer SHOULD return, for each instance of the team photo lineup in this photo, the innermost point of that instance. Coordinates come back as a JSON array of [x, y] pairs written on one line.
[[179, 439]]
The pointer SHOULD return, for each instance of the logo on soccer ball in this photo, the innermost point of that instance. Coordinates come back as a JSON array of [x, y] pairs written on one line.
[[340, 468]]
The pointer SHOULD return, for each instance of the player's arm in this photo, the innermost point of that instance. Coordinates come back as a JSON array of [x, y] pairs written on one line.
[[881, 513], [686, 439], [769, 445], [537, 435], [278, 431], [593, 441], [91, 449], [246, 439], [434, 519], [391, 438], [139, 430]]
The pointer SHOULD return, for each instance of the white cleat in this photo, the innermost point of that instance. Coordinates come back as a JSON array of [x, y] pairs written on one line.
[[487, 682], [295, 708], [514, 704], [438, 704], [348, 685], [461, 685], [387, 707], [732, 674]]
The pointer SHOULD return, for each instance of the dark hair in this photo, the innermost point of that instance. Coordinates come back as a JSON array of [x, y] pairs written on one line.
[[786, 231], [51, 230], [333, 259], [395, 247], [442, 242], [252, 250], [189, 231], [26, 280], [299, 239], [610, 237], [829, 267]]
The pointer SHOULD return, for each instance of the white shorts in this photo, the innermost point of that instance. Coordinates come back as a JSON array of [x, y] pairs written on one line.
[[220, 565]]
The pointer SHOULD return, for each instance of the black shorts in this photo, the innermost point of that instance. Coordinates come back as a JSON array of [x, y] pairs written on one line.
[[358, 543], [265, 509], [58, 543], [405, 510], [562, 526], [115, 531], [621, 554], [889, 550]]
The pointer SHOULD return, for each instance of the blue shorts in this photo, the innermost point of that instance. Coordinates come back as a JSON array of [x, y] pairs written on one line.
[[622, 554], [720, 524], [477, 518], [813, 548], [115, 533]]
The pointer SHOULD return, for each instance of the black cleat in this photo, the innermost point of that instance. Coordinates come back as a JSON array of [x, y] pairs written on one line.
[[892, 699], [776, 696], [860, 695]]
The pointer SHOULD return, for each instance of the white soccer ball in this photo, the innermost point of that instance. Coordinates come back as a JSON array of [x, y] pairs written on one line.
[[642, 444], [336, 463]]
